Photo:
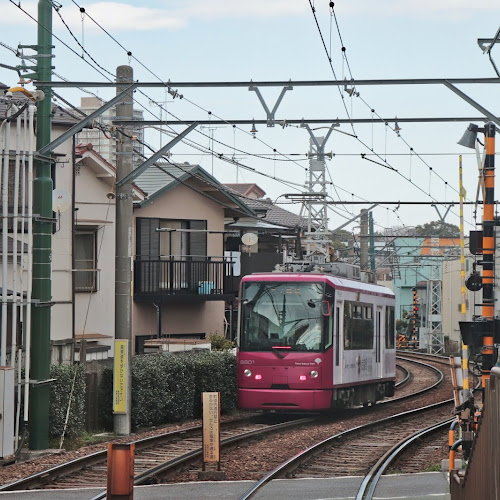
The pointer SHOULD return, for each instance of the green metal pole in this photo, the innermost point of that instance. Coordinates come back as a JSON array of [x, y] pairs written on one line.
[[42, 245]]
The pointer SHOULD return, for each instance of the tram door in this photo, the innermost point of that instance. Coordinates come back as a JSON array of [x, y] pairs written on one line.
[[378, 342], [338, 343]]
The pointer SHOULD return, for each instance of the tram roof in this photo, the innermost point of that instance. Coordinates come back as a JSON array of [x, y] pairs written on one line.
[[337, 282]]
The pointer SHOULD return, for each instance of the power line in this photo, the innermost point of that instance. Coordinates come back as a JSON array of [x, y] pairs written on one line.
[[130, 55], [372, 110]]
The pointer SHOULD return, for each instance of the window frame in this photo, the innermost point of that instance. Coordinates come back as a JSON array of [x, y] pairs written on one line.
[[92, 271], [356, 322]]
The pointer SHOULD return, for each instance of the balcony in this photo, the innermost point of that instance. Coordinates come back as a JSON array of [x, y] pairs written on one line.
[[187, 279]]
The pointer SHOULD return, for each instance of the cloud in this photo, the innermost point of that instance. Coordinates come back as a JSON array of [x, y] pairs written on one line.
[[445, 10], [167, 15], [173, 15]]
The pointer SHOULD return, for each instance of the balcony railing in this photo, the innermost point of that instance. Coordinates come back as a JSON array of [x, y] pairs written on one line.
[[206, 278]]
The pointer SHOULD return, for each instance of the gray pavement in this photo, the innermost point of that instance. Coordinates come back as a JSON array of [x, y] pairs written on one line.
[[429, 485]]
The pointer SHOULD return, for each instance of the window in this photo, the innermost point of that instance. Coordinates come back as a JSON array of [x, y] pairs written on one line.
[[390, 332], [283, 315], [86, 260], [184, 238], [358, 325], [337, 336]]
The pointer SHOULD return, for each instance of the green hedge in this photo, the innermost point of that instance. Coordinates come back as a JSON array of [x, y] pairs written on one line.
[[60, 391], [168, 388]]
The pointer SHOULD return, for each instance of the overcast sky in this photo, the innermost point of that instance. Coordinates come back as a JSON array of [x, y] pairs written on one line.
[[263, 40]]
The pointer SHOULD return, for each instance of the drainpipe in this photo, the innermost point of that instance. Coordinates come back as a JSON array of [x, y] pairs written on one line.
[[158, 319]]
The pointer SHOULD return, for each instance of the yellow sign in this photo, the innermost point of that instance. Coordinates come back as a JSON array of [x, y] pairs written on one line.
[[211, 426], [120, 377]]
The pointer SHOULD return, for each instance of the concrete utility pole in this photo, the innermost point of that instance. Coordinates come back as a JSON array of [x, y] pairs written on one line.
[[42, 245], [124, 231]]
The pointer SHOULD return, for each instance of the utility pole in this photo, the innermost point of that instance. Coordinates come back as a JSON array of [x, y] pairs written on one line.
[[42, 244], [363, 241], [315, 203], [372, 246], [489, 245], [123, 266]]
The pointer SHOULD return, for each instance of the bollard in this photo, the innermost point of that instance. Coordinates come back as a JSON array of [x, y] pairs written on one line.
[[120, 485]]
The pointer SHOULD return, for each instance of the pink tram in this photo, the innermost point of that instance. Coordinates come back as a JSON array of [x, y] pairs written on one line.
[[314, 341]]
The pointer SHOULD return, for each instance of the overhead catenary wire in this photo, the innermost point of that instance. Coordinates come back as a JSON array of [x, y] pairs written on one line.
[[129, 54], [140, 104], [209, 112], [313, 10], [373, 111]]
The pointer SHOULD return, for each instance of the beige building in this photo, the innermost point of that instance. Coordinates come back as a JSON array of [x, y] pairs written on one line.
[[181, 280]]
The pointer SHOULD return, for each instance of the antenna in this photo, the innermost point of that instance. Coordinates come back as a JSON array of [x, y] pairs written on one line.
[[61, 200], [249, 239]]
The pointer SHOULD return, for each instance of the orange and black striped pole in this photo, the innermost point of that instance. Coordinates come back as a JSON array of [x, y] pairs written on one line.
[[488, 252]]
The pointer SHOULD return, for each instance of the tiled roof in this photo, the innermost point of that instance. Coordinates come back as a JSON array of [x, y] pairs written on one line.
[[81, 149], [161, 177], [246, 189], [155, 179], [274, 214]]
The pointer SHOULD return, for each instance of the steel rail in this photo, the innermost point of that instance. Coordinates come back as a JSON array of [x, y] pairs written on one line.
[[371, 480], [305, 455], [91, 459], [406, 378], [187, 457], [422, 391], [425, 355], [66, 468]]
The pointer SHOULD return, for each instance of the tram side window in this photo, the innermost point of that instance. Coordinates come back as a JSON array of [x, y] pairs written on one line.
[[390, 335], [358, 325]]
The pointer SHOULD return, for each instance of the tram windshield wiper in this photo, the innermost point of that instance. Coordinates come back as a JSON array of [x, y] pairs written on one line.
[[276, 348]]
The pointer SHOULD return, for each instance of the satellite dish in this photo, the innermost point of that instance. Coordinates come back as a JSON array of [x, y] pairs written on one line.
[[249, 239], [61, 200]]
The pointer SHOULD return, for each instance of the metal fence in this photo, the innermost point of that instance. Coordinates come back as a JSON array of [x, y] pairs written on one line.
[[481, 479], [209, 276]]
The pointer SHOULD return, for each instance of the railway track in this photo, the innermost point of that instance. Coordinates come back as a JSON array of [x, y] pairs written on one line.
[[163, 454], [354, 451], [371, 480], [365, 449], [154, 455]]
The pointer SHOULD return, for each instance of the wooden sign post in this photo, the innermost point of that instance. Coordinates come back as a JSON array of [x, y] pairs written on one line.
[[210, 402]]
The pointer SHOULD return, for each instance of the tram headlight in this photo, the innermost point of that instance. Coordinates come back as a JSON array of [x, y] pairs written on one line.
[[247, 373], [314, 374]]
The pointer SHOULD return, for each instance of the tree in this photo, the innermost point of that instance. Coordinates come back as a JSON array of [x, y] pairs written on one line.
[[438, 229], [339, 242]]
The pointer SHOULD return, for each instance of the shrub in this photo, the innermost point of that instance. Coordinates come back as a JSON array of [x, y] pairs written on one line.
[[214, 372], [220, 343], [167, 388], [60, 391], [105, 399]]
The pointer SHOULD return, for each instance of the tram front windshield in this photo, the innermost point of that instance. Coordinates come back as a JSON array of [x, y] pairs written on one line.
[[282, 316]]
